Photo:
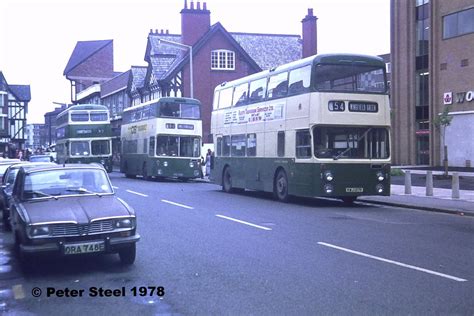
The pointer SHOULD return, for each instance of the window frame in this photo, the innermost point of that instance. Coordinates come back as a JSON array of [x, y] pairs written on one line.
[[226, 63]]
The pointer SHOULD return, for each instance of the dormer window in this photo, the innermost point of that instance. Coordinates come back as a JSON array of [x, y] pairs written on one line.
[[222, 59]]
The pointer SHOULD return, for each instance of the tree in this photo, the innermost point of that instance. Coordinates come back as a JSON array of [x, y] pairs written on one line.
[[442, 122]]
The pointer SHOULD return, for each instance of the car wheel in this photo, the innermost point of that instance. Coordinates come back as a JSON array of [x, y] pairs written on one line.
[[128, 254], [227, 181], [6, 222], [281, 186]]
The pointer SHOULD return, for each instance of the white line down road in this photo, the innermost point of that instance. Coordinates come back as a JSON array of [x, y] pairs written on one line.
[[137, 193], [243, 222], [393, 262], [177, 204]]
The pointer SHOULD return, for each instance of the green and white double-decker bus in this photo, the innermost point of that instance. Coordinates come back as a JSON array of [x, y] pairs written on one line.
[[317, 127], [84, 135], [162, 138]]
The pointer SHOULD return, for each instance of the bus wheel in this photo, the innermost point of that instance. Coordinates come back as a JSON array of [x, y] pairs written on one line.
[[349, 200], [281, 186], [227, 181]]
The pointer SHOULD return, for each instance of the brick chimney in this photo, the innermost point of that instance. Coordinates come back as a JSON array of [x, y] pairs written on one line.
[[195, 22], [310, 34]]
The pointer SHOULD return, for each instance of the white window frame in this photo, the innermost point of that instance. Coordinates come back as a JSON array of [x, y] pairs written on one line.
[[222, 59]]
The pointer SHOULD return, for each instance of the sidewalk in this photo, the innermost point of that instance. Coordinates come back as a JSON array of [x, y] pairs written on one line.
[[441, 201]]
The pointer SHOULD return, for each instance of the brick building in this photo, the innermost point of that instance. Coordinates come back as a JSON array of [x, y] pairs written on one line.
[[432, 53]]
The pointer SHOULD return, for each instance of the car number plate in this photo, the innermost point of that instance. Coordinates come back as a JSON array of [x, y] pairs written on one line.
[[351, 190], [76, 249]]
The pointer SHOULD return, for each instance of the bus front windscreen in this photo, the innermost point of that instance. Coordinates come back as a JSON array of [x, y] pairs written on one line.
[[180, 110], [351, 142], [100, 147], [80, 148], [349, 78]]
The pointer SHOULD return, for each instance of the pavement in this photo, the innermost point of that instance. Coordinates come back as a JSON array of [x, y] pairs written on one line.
[[442, 199]]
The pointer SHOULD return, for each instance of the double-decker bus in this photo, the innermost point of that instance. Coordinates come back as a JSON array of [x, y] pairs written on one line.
[[317, 127], [162, 138], [83, 135]]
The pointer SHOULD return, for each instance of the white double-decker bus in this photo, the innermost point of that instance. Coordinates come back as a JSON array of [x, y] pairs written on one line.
[[315, 127], [162, 138]]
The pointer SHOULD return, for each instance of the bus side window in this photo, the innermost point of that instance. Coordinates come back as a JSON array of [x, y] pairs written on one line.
[[240, 94], [251, 145], [299, 80], [281, 144], [257, 90], [303, 144], [226, 146], [278, 86]]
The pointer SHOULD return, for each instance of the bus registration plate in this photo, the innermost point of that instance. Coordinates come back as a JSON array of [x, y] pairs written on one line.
[[352, 190]]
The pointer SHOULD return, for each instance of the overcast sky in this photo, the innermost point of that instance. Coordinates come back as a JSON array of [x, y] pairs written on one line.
[[37, 37]]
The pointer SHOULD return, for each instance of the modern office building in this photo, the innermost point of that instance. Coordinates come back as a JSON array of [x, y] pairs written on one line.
[[432, 59]]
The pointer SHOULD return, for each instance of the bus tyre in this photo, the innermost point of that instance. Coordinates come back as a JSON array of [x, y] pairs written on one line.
[[349, 200], [281, 186], [227, 181], [127, 255]]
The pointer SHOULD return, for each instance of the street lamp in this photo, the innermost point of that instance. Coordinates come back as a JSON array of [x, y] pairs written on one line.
[[183, 47]]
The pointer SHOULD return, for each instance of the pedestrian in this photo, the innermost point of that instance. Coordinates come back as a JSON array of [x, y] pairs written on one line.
[[20, 154], [202, 168], [208, 162]]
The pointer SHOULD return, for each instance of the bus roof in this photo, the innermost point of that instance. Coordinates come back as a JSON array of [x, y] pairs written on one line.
[[84, 107], [358, 59], [166, 99]]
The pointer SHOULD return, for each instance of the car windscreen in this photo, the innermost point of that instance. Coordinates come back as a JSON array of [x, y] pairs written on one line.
[[64, 182]]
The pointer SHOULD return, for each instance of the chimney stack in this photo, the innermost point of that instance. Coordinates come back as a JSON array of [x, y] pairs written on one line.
[[194, 22], [310, 34]]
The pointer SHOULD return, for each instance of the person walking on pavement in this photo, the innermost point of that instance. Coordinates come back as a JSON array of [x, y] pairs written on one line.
[[208, 162]]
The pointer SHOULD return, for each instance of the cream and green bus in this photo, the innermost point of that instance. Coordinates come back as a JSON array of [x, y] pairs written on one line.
[[84, 135], [162, 139], [317, 127]]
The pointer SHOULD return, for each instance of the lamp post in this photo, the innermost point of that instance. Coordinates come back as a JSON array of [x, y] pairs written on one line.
[[183, 47]]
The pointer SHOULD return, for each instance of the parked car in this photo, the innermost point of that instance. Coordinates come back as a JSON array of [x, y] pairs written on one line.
[[6, 187], [5, 163], [70, 210], [41, 158]]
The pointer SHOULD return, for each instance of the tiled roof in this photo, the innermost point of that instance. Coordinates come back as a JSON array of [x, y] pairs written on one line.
[[270, 50], [116, 83], [262, 50], [22, 92], [82, 51], [138, 77]]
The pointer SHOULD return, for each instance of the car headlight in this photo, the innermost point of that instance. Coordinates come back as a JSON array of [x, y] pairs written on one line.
[[380, 176], [328, 176], [379, 188], [125, 223], [38, 231], [165, 164]]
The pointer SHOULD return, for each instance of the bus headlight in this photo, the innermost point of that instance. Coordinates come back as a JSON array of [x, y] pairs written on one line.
[[160, 172], [165, 164], [379, 188], [191, 164], [328, 176], [102, 161], [380, 176], [328, 188]]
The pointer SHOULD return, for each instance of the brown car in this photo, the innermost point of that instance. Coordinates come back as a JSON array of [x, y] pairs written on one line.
[[70, 210]]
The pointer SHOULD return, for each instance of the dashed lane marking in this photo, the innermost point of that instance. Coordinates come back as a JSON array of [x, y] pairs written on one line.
[[137, 193], [243, 222], [393, 262], [178, 204]]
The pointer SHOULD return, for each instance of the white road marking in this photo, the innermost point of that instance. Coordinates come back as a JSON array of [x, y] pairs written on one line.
[[137, 193], [243, 222], [177, 204], [393, 262]]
